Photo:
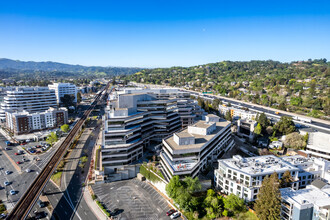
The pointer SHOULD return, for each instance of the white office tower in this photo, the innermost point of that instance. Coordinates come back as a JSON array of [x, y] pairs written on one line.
[[132, 121], [31, 99], [191, 150], [62, 89]]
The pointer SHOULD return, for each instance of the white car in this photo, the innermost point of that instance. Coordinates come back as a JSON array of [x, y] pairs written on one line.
[[12, 192], [28, 170], [175, 215], [7, 172], [6, 183]]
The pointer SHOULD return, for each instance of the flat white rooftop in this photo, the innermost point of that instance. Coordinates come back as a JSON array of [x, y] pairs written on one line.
[[200, 140], [260, 165], [319, 141], [309, 195]]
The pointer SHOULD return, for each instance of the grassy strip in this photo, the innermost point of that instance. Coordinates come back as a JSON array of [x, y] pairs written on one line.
[[103, 208], [97, 158], [57, 178], [149, 175]]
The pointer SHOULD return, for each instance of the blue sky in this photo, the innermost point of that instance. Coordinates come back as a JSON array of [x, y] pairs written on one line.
[[163, 33]]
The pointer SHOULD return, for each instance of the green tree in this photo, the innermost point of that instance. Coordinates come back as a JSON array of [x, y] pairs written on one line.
[[213, 204], [295, 140], [285, 125], [215, 104], [258, 129], [192, 184], [173, 186], [52, 138], [234, 204], [269, 130], [228, 116], [79, 97], [263, 120], [268, 203], [67, 100], [286, 179], [65, 128]]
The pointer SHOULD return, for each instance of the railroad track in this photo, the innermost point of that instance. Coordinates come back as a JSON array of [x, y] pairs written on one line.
[[26, 202]]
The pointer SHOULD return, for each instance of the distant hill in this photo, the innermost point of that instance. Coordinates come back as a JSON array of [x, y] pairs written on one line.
[[16, 68]]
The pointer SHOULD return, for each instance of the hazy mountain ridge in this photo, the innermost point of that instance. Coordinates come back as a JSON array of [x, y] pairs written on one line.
[[17, 68]]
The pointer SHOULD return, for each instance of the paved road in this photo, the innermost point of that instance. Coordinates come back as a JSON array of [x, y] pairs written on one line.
[[68, 202], [135, 199]]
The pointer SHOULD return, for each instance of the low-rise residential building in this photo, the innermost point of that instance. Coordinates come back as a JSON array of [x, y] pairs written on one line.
[[191, 150], [244, 176], [237, 112], [276, 145], [310, 203], [62, 89], [24, 122]]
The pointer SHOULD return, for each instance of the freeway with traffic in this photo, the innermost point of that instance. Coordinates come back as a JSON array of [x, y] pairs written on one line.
[[317, 124]]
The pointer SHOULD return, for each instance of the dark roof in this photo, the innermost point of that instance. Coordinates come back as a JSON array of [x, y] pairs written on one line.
[[318, 183]]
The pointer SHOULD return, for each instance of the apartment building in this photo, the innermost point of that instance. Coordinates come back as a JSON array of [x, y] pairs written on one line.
[[62, 89], [192, 149], [23, 122], [31, 99], [310, 203], [244, 176], [134, 120], [237, 112]]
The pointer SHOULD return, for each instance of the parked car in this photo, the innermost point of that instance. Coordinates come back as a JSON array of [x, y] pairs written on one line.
[[16, 153], [7, 148], [40, 203], [7, 172], [175, 215], [3, 216], [38, 146], [170, 212], [40, 215], [28, 170], [12, 192], [18, 162], [6, 183], [32, 151]]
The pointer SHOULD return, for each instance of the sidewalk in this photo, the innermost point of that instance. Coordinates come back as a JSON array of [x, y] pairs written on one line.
[[93, 206]]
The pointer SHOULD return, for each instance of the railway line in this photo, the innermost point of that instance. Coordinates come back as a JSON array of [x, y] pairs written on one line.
[[26, 202]]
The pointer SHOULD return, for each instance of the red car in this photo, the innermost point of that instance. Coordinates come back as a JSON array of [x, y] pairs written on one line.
[[16, 153], [18, 162], [170, 212], [38, 146], [23, 143]]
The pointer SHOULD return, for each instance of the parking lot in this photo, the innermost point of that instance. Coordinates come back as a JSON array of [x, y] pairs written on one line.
[[134, 199], [19, 179]]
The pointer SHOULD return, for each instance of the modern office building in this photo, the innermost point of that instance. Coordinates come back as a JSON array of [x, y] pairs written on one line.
[[135, 119], [244, 176], [62, 89], [245, 128], [310, 203], [194, 148], [31, 99], [24, 122]]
